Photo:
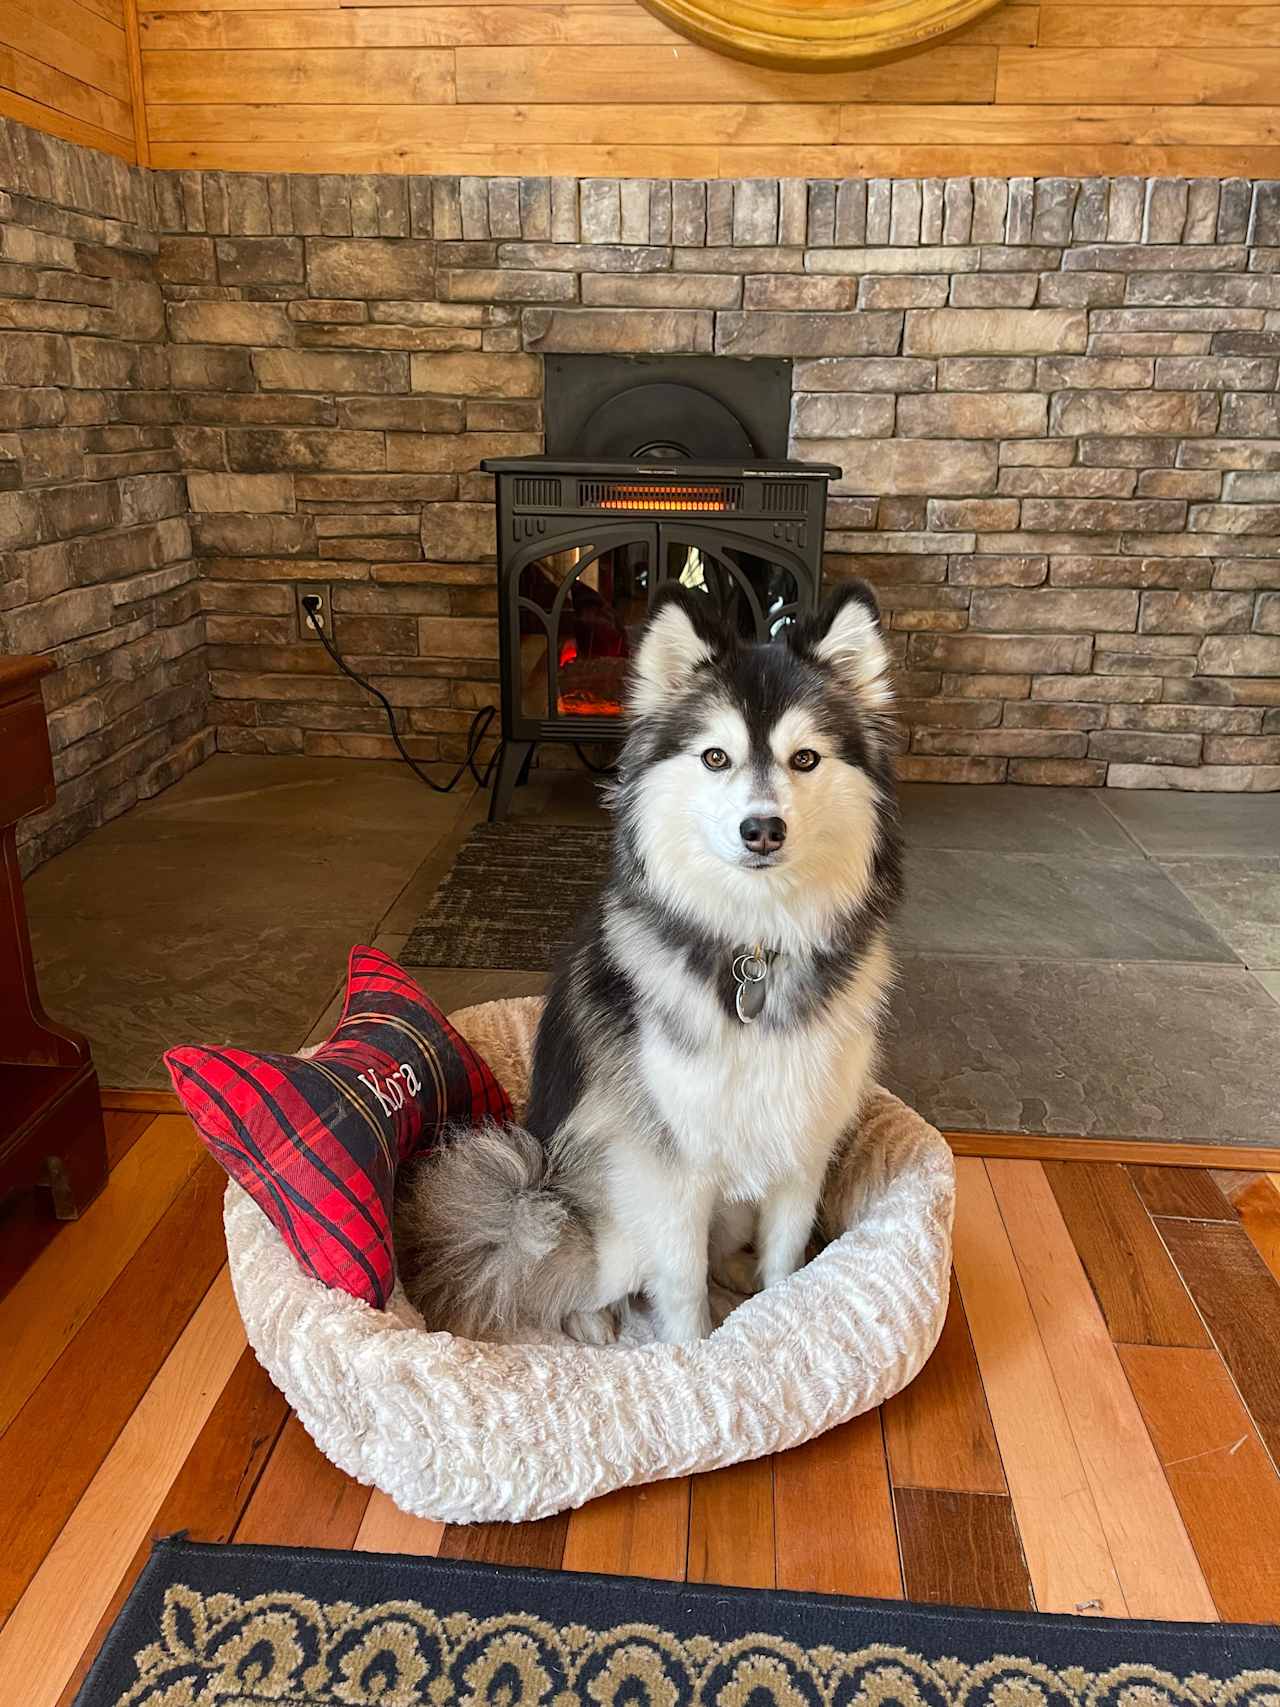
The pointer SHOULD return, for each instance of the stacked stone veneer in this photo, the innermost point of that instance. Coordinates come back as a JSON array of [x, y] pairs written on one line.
[[1054, 403], [95, 548]]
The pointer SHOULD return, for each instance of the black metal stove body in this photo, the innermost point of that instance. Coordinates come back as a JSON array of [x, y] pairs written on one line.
[[584, 546]]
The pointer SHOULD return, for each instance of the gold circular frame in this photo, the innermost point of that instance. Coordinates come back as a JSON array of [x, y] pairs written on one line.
[[815, 35]]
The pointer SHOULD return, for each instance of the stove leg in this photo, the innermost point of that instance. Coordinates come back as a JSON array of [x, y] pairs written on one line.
[[513, 768]]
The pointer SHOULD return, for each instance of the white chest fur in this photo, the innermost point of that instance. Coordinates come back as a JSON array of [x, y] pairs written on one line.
[[751, 1105]]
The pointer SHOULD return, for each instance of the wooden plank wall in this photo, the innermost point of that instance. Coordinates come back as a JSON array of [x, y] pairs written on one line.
[[599, 88], [65, 67]]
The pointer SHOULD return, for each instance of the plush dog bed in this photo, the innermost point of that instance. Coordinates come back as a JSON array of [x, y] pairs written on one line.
[[468, 1432]]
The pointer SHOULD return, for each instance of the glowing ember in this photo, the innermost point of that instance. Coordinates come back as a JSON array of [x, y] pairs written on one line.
[[586, 705], [589, 687]]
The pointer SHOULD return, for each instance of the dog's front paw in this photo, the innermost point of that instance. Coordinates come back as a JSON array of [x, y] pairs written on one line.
[[684, 1327], [594, 1327], [738, 1272]]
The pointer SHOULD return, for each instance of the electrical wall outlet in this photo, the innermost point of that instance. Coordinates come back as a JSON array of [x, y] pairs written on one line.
[[310, 590]]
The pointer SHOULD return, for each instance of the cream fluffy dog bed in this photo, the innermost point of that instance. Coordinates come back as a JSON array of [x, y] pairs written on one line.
[[468, 1432]]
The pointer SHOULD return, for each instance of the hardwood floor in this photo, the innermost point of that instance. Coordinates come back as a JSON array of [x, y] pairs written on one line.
[[1097, 1431]]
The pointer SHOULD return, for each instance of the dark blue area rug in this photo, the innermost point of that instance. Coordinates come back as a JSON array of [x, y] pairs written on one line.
[[266, 1626]]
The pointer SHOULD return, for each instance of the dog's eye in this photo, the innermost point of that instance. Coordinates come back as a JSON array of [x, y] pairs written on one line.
[[716, 759], [804, 760]]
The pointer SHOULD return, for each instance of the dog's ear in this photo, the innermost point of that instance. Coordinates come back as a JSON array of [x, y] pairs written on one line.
[[845, 636], [681, 635]]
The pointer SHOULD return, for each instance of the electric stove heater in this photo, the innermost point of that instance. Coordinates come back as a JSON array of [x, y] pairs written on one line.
[[583, 546]]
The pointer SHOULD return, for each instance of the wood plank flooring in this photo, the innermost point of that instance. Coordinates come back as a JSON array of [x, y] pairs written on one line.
[[1097, 1431]]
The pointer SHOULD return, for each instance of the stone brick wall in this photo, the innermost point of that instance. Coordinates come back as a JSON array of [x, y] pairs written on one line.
[[1054, 403], [95, 550], [336, 401]]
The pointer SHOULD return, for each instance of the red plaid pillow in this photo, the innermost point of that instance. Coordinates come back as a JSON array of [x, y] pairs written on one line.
[[316, 1141]]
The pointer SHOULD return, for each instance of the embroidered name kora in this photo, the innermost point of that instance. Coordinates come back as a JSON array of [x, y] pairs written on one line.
[[316, 1141]]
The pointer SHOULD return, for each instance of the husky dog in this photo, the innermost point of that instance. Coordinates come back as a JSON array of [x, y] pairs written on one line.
[[708, 1040]]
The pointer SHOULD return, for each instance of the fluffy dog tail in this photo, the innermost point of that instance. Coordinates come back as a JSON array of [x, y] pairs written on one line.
[[485, 1242]]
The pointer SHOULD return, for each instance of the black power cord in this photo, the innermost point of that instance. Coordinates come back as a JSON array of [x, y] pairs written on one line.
[[611, 769], [313, 610]]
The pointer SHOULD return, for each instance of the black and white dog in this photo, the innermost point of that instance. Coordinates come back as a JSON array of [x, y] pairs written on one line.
[[708, 1041]]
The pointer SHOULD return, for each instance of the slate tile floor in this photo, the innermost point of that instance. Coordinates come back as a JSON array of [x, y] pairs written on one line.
[[1071, 961], [1081, 962], [222, 911], [1042, 907]]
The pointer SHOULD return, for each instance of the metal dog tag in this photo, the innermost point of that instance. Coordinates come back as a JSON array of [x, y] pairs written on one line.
[[749, 972]]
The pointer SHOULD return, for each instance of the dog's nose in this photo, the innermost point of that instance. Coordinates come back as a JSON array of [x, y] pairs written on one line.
[[763, 835]]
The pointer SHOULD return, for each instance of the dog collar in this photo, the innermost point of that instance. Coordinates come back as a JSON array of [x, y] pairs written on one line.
[[750, 970]]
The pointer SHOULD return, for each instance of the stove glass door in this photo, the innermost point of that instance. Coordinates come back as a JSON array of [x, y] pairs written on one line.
[[752, 589], [580, 611]]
